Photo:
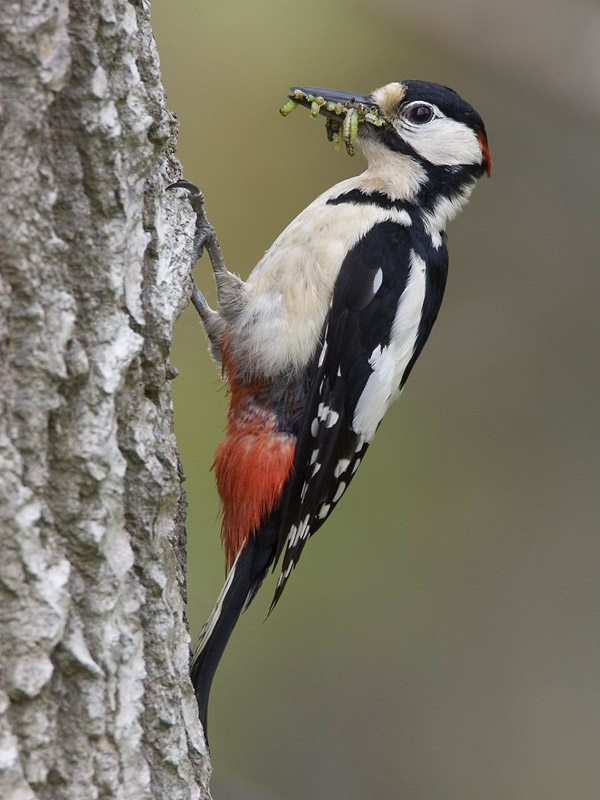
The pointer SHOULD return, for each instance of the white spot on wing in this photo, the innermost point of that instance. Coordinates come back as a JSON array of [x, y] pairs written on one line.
[[332, 418], [340, 491], [314, 427], [341, 467], [304, 528], [292, 536], [296, 534], [377, 280], [285, 573], [324, 510]]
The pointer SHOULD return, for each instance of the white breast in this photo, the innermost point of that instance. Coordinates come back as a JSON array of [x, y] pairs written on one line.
[[290, 289]]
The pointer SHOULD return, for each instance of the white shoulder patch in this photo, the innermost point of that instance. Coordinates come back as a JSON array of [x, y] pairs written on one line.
[[389, 362]]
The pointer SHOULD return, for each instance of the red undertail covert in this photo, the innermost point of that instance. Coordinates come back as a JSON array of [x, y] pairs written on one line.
[[252, 463]]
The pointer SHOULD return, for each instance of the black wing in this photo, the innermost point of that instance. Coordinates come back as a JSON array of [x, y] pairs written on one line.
[[371, 281]]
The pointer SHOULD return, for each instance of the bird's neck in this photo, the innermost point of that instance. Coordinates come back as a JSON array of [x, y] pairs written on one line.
[[398, 176], [436, 193]]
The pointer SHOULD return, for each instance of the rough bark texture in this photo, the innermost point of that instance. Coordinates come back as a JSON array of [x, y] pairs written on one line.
[[94, 259]]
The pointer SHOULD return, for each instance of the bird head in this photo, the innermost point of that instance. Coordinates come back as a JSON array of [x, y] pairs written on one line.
[[406, 126], [430, 122]]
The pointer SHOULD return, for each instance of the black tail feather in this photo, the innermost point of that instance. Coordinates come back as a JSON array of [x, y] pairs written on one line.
[[243, 581]]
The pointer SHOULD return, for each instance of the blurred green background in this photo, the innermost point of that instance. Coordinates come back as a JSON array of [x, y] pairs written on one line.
[[440, 638]]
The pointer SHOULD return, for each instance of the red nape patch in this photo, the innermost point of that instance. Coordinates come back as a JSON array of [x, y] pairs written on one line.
[[485, 149], [252, 465]]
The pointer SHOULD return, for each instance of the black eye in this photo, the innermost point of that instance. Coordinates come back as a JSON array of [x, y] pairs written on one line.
[[420, 113]]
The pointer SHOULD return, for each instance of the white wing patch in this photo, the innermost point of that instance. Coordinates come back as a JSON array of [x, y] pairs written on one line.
[[389, 362]]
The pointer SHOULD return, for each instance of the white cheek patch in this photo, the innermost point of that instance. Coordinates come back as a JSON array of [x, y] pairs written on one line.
[[443, 141]]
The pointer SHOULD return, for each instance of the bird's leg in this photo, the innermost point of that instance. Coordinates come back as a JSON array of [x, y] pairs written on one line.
[[230, 288]]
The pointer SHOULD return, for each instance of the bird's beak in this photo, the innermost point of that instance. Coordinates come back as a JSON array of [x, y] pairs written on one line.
[[331, 103], [345, 111]]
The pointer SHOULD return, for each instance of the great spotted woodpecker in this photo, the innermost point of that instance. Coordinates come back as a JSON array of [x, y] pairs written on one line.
[[322, 336]]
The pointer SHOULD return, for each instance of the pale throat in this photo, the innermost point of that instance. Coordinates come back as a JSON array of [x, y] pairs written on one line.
[[398, 176]]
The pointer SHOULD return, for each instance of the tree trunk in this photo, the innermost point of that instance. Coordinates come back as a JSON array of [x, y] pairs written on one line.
[[95, 700]]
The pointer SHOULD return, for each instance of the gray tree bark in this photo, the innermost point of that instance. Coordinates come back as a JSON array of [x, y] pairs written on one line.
[[95, 700]]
